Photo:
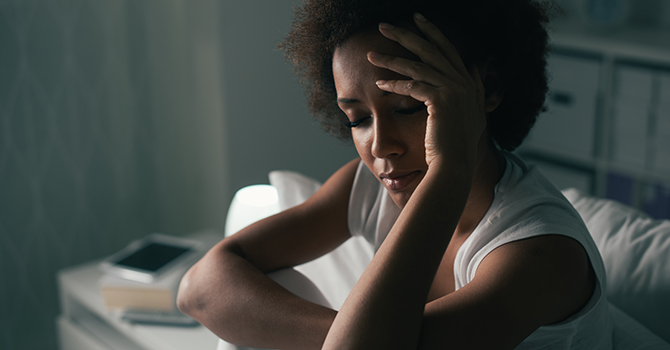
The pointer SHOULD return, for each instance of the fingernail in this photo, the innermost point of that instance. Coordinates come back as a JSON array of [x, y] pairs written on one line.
[[386, 26], [380, 82], [420, 17], [373, 54]]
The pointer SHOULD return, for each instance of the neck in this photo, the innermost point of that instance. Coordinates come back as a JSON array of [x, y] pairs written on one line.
[[489, 170]]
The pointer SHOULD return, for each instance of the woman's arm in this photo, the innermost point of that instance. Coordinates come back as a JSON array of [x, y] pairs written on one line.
[[386, 307], [228, 291], [518, 287]]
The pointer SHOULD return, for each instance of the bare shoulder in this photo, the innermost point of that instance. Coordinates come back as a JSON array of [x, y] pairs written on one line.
[[550, 275], [518, 287]]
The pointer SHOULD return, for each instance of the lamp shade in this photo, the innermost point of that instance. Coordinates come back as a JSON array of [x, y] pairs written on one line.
[[250, 204]]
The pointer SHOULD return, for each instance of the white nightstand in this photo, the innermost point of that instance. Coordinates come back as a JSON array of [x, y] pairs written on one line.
[[85, 323]]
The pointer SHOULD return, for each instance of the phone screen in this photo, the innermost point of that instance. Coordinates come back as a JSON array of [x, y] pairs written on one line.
[[152, 257]]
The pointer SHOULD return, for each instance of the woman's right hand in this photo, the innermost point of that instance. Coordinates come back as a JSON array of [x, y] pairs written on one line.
[[454, 96]]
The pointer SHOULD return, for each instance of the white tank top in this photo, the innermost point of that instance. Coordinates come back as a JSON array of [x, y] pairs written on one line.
[[525, 205]]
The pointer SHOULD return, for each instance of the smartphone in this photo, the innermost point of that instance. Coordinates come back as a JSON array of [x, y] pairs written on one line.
[[151, 257]]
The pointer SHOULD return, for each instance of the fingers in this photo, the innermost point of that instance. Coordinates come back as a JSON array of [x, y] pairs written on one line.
[[419, 91], [440, 41], [413, 69], [437, 51], [425, 84], [426, 51], [441, 74]]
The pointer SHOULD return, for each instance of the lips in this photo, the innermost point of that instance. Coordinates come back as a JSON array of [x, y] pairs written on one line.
[[398, 181]]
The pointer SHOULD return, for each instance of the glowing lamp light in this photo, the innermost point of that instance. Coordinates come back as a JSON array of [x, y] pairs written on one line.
[[258, 195], [250, 204]]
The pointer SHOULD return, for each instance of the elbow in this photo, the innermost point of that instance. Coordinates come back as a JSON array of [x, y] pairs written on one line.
[[196, 299], [196, 294], [187, 296]]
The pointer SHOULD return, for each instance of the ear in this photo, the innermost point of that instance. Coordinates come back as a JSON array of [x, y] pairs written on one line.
[[492, 84]]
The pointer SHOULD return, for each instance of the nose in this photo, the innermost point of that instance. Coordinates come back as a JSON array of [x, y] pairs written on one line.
[[387, 138]]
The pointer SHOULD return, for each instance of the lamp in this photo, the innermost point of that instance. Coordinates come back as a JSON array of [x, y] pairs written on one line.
[[251, 204]]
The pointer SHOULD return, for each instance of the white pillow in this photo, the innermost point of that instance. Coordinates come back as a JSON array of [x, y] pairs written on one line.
[[292, 188], [636, 252], [335, 273]]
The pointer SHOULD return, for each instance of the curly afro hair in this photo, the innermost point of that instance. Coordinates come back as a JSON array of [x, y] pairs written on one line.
[[510, 34]]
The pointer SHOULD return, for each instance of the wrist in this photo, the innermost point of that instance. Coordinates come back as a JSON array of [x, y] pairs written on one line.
[[459, 167], [446, 181]]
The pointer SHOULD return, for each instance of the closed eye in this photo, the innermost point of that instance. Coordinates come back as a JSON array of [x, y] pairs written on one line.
[[356, 122], [410, 111]]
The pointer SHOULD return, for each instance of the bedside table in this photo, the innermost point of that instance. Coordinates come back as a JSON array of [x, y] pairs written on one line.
[[85, 323]]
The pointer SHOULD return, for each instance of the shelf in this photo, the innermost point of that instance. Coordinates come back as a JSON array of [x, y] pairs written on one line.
[[584, 163], [630, 67], [639, 45]]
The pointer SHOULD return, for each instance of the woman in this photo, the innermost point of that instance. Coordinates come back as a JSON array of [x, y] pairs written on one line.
[[474, 249]]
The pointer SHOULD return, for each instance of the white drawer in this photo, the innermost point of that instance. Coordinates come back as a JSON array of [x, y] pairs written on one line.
[[567, 128]]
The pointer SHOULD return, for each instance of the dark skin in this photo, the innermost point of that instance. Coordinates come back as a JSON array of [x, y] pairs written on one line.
[[422, 132]]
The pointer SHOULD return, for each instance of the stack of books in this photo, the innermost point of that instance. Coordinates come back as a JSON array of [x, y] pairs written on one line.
[[160, 294]]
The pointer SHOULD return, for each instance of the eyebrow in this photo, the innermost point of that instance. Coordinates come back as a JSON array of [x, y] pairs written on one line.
[[353, 100], [347, 100]]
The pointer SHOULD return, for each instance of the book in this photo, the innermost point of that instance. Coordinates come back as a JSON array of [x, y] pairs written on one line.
[[160, 295]]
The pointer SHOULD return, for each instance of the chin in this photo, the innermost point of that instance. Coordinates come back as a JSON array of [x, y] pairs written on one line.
[[401, 199]]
